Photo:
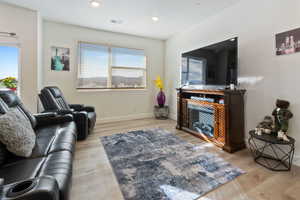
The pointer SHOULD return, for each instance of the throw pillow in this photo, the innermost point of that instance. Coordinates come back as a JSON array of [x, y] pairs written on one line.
[[16, 133]]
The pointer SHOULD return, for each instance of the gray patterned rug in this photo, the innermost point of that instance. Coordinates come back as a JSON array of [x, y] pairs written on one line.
[[157, 165]]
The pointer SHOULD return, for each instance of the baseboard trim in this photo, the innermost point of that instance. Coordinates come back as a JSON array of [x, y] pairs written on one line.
[[173, 116], [296, 160], [124, 118]]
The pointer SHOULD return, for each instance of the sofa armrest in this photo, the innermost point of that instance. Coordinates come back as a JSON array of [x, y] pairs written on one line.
[[45, 115], [89, 109], [81, 107], [64, 112], [81, 120], [77, 107], [45, 188], [52, 120], [59, 112]]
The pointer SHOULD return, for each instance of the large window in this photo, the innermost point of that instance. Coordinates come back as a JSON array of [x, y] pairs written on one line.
[[9, 67], [102, 67]]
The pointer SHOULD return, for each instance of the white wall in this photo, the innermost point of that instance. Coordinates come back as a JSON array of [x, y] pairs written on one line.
[[24, 23], [255, 23], [110, 105]]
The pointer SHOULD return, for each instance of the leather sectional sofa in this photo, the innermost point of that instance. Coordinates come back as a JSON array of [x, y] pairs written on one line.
[[47, 173]]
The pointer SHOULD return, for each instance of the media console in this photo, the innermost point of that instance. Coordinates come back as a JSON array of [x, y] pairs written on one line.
[[215, 116]]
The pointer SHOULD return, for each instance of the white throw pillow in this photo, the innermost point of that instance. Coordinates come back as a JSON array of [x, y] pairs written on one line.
[[16, 133]]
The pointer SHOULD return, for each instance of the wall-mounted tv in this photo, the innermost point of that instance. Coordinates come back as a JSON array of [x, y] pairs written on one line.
[[215, 64]]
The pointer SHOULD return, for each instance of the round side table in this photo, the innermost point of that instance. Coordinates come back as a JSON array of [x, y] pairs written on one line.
[[161, 112], [272, 153]]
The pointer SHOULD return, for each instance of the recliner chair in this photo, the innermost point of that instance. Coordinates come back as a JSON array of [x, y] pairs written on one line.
[[84, 116]]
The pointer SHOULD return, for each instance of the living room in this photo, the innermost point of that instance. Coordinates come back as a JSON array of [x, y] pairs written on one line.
[[157, 35]]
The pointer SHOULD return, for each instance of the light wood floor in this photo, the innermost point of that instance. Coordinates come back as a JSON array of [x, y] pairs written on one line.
[[93, 178]]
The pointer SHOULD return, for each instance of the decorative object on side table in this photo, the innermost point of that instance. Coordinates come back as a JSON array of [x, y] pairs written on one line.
[[269, 143], [161, 111], [266, 126], [282, 116], [10, 83]]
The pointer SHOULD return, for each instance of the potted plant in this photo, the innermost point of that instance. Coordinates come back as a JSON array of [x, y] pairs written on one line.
[[10, 82], [161, 97]]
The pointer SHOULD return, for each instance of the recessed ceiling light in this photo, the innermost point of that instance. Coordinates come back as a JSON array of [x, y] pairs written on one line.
[[232, 39], [94, 3], [155, 19], [116, 21]]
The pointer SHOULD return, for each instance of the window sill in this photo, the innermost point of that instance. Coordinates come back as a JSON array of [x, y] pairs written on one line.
[[113, 90]]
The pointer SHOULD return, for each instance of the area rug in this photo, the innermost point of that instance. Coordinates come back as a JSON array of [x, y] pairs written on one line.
[[155, 164]]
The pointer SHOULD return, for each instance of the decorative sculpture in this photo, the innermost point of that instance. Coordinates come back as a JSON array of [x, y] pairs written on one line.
[[282, 116], [266, 126]]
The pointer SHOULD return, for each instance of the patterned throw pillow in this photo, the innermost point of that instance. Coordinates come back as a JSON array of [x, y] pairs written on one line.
[[16, 133]]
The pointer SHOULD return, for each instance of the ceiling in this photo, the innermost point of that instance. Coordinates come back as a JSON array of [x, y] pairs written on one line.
[[174, 15]]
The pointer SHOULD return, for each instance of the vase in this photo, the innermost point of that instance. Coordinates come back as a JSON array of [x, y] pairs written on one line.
[[161, 98]]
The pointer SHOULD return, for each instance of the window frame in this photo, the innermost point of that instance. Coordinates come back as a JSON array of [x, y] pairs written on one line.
[[110, 68]]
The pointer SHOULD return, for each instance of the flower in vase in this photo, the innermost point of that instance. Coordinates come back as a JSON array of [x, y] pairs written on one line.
[[161, 97], [159, 83]]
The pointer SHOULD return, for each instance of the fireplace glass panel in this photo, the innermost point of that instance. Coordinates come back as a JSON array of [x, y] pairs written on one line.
[[201, 119]]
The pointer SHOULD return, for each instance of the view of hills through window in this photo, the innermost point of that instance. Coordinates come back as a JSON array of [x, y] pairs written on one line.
[[111, 67], [9, 62]]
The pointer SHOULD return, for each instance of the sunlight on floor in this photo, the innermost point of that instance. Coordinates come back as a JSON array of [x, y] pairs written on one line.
[[204, 145], [174, 193]]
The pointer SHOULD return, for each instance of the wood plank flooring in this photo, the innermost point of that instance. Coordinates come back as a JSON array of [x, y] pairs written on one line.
[[93, 178]]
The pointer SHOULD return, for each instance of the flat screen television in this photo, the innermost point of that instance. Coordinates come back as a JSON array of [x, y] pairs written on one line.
[[214, 65]]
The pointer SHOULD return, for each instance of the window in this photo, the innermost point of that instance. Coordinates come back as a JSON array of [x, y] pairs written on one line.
[[9, 67], [102, 67]]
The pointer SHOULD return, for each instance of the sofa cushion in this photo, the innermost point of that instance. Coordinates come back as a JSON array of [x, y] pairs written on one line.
[[21, 170], [44, 140], [3, 154], [59, 166], [55, 138], [65, 138], [19, 138]]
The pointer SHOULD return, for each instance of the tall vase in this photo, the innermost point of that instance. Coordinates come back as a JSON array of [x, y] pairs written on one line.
[[161, 98]]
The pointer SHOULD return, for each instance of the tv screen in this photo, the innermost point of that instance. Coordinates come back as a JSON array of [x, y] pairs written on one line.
[[211, 65]]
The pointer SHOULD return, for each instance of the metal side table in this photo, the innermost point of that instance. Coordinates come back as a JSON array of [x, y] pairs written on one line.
[[272, 153], [161, 112]]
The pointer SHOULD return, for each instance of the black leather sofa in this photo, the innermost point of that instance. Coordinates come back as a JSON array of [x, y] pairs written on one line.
[[47, 173], [84, 116]]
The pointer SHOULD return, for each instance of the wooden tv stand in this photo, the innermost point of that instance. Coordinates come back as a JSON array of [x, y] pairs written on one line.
[[226, 108]]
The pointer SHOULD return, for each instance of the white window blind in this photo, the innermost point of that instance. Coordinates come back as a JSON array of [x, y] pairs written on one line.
[[103, 66], [93, 66]]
